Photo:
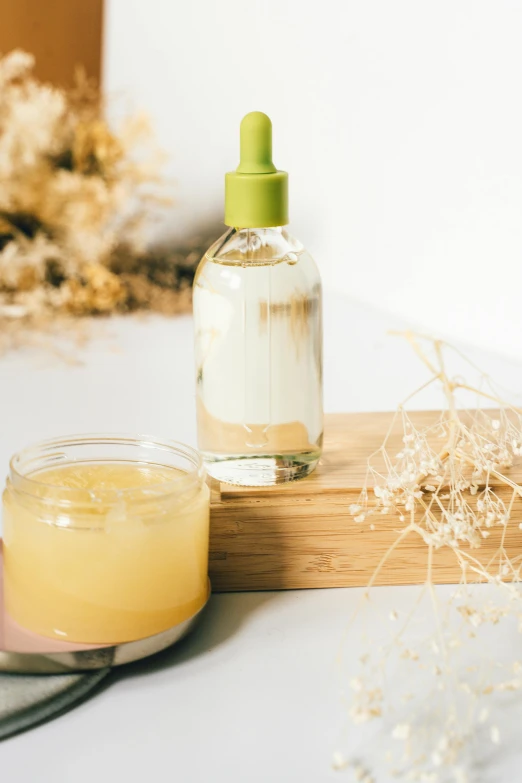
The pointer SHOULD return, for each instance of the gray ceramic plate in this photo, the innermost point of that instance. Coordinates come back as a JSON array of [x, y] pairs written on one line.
[[28, 700]]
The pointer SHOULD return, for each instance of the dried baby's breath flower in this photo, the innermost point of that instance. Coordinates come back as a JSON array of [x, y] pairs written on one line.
[[339, 761], [356, 684], [362, 775], [453, 484], [401, 731], [411, 654]]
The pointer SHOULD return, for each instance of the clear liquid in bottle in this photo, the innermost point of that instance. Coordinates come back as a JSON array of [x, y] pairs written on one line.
[[258, 322]]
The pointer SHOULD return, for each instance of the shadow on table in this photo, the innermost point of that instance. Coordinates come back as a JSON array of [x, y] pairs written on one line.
[[218, 623]]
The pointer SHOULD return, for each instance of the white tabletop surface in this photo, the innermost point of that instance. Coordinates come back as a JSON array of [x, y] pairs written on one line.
[[254, 695]]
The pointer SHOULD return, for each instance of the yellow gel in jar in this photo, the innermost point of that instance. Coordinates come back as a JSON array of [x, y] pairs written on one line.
[[105, 538]]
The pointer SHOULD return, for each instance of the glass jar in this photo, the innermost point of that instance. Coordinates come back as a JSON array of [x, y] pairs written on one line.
[[105, 537]]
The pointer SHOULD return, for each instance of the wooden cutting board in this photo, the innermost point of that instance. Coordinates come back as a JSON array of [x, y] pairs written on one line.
[[301, 534]]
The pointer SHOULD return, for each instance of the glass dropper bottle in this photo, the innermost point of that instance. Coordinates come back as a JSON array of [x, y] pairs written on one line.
[[258, 331]]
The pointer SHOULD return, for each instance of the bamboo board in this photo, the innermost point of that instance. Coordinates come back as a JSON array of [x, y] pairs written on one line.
[[301, 534]]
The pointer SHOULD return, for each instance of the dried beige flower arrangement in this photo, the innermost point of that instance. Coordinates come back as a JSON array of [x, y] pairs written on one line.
[[451, 485], [74, 200]]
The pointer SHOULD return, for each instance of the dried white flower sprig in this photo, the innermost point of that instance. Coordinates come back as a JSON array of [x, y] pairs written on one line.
[[77, 203], [453, 484], [71, 189]]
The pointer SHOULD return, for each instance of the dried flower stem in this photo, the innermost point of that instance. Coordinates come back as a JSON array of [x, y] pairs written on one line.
[[452, 497]]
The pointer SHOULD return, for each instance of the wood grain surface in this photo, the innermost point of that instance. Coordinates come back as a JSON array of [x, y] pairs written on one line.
[[301, 534]]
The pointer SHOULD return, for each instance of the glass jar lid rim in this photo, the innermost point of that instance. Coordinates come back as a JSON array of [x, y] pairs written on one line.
[[190, 454]]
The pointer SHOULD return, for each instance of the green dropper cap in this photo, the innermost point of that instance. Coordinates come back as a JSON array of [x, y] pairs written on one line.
[[256, 193]]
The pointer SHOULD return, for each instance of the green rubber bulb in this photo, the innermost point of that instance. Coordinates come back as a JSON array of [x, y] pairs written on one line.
[[256, 194]]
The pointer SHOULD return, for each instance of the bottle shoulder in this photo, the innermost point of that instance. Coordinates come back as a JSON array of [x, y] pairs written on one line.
[[256, 246]]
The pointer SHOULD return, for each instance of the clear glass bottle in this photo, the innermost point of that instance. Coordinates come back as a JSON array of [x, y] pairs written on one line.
[[258, 345]]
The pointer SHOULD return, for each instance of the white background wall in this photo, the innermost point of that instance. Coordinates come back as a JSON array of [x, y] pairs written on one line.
[[399, 121]]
